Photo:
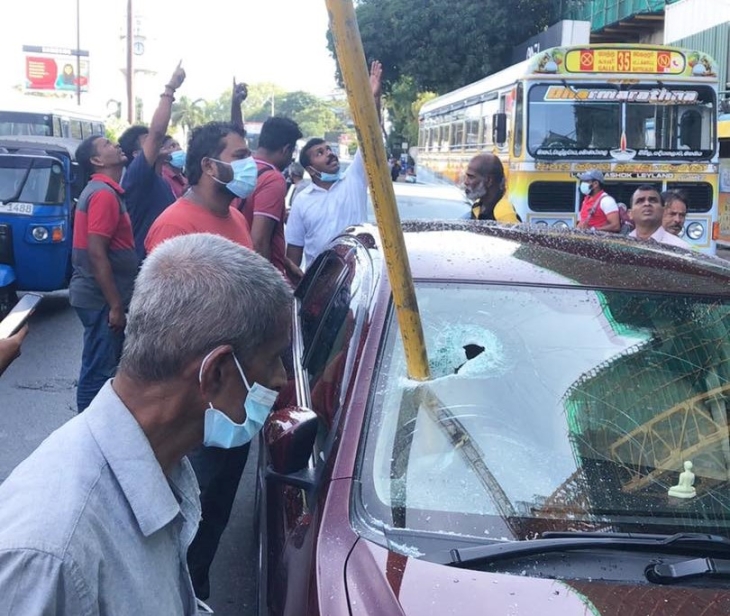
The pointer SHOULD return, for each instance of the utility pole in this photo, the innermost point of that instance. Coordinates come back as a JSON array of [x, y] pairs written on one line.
[[78, 52], [130, 70]]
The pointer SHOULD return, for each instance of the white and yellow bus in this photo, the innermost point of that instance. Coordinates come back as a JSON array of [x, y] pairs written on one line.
[[641, 114]]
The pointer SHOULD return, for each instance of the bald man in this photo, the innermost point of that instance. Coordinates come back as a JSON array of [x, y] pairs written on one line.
[[485, 186]]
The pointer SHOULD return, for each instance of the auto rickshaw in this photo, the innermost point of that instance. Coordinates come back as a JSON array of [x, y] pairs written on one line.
[[39, 183]]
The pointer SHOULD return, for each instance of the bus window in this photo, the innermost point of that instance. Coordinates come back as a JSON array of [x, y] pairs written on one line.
[[471, 129], [685, 123], [444, 140], [57, 130], [690, 130], [98, 128], [457, 135], [518, 122], [86, 129], [486, 131], [76, 132], [567, 124]]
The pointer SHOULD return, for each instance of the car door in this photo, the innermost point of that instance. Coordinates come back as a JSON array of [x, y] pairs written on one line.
[[331, 314]]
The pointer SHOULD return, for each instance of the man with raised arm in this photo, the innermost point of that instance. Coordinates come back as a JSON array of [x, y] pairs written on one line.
[[147, 192], [333, 201]]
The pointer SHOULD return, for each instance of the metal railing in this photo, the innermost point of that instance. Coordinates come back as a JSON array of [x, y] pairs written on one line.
[[602, 13]]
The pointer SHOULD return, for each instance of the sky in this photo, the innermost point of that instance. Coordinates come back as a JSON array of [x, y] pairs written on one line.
[[279, 41]]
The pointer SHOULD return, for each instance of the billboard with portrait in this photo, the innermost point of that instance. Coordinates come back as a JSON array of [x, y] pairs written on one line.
[[56, 69]]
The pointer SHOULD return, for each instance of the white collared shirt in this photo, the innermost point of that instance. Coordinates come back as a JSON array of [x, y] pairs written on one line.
[[664, 237], [318, 215]]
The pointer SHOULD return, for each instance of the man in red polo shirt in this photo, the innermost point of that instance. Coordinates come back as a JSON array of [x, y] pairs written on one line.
[[219, 168], [105, 264], [599, 210]]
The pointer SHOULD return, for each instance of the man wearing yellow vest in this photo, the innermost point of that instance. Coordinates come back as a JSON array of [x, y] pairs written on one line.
[[485, 186]]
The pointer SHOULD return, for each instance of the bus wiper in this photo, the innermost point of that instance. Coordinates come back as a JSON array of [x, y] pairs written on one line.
[[560, 542]]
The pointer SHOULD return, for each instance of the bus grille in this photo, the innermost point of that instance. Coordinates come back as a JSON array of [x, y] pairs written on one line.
[[699, 195], [552, 196]]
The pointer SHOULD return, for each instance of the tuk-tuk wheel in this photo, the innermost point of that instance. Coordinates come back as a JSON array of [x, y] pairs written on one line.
[[8, 299]]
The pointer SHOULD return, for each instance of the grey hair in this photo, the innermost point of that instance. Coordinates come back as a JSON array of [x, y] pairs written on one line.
[[296, 169], [197, 292]]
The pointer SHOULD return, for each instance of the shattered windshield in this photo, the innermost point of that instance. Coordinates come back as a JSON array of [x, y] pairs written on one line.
[[553, 409]]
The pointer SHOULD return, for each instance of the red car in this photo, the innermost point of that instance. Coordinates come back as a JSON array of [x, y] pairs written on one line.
[[569, 456]]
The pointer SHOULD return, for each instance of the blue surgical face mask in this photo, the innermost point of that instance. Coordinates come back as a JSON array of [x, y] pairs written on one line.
[[177, 159], [221, 431], [327, 177], [244, 179]]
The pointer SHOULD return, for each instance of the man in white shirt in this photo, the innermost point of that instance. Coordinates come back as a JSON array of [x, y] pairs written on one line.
[[333, 201], [647, 211]]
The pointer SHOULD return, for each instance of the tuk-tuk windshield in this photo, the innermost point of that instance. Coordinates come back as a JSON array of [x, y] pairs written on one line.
[[31, 179]]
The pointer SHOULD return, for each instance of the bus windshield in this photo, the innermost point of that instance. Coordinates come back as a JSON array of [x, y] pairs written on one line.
[[621, 122], [31, 180], [23, 123]]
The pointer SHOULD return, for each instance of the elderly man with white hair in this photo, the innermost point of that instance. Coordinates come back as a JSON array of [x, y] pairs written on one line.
[[99, 518]]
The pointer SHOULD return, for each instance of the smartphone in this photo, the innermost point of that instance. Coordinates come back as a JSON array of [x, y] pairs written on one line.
[[19, 314]]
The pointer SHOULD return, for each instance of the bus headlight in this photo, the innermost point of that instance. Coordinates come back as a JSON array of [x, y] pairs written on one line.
[[40, 234], [541, 224], [561, 224], [695, 230]]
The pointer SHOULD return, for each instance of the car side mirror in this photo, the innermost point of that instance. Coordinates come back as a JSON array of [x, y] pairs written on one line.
[[499, 128], [289, 436]]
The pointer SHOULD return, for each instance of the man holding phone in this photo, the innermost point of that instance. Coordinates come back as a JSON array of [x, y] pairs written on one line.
[[105, 264]]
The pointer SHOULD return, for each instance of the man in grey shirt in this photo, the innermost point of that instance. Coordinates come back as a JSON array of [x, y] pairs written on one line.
[[99, 518]]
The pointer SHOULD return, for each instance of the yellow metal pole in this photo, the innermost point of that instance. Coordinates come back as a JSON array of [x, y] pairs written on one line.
[[351, 57]]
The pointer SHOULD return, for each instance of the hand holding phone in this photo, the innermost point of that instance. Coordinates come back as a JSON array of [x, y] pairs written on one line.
[[10, 348], [19, 314]]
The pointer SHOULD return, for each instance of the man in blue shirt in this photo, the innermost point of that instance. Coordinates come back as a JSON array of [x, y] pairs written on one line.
[[146, 191], [98, 520]]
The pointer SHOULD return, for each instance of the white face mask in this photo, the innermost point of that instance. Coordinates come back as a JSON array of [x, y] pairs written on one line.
[[585, 188], [221, 431]]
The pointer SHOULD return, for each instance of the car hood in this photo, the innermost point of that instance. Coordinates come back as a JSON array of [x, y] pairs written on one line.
[[386, 583]]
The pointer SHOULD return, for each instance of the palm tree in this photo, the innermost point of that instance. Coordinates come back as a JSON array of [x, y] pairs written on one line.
[[187, 114]]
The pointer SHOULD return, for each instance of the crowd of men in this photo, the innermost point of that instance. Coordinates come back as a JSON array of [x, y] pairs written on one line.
[[184, 264], [182, 280]]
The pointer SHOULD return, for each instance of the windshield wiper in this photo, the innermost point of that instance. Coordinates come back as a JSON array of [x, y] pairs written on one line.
[[561, 542], [670, 573]]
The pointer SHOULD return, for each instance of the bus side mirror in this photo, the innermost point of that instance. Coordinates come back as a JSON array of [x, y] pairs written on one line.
[[499, 128]]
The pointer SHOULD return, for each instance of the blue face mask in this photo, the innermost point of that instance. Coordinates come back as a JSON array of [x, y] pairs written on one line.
[[244, 179], [330, 177], [177, 159], [221, 431]]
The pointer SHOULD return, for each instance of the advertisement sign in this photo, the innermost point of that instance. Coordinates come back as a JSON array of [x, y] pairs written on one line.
[[625, 61], [55, 69]]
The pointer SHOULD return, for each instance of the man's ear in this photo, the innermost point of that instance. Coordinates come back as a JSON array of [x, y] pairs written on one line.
[[212, 371]]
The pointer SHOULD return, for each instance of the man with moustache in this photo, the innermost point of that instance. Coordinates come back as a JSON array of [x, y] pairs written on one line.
[[647, 211], [485, 187]]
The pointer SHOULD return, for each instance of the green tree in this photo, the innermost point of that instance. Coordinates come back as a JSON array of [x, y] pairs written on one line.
[[445, 44], [403, 104], [188, 113]]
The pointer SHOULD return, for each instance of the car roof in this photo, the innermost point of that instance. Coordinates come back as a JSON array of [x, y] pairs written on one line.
[[482, 251], [51, 145]]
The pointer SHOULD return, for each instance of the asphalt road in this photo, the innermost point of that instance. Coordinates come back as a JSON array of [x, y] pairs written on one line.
[[38, 394]]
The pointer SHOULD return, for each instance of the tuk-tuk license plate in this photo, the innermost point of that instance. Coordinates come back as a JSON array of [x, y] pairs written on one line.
[[23, 209]]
